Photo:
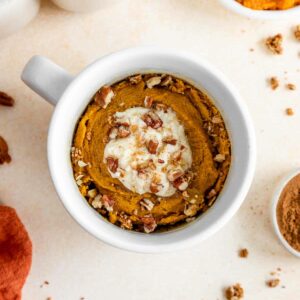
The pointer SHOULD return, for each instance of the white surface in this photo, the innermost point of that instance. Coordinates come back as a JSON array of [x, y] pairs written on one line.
[[77, 265], [14, 14], [131, 154]]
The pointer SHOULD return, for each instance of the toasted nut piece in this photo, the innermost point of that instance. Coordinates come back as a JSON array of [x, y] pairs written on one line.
[[96, 203], [6, 100], [108, 202], [190, 210], [4, 155], [291, 86], [112, 164], [174, 174], [155, 187], [149, 223], [104, 96], [153, 81], [152, 120], [92, 193], [219, 158], [161, 106], [161, 161], [235, 292], [152, 146], [273, 282], [274, 82], [147, 204], [166, 80], [135, 79], [212, 193], [216, 120], [81, 164], [113, 133], [148, 101], [170, 140], [123, 131], [125, 221], [243, 253], [274, 44]]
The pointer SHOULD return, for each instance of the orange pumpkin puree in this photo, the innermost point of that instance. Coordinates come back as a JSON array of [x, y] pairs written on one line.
[[269, 4]]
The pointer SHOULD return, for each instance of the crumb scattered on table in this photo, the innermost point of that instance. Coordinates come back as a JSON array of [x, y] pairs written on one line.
[[297, 32], [274, 44], [234, 292], [289, 111], [273, 282], [274, 82], [291, 86], [243, 253]]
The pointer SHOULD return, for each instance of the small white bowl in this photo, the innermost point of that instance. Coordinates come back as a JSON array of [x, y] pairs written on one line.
[[233, 5], [276, 197]]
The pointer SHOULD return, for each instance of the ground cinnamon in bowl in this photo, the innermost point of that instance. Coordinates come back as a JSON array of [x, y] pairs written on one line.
[[288, 212]]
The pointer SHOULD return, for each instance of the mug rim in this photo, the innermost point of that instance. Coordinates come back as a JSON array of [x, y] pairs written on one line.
[[149, 243]]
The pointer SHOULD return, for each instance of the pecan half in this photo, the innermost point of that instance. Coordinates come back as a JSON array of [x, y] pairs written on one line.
[[6, 100], [152, 120], [149, 223], [152, 146], [112, 164], [170, 140], [104, 96], [153, 81], [4, 155], [108, 202]]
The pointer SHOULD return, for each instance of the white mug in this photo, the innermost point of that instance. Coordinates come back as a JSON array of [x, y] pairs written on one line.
[[14, 14], [71, 95]]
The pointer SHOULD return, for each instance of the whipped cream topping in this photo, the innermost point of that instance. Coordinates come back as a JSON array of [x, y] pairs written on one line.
[[148, 150]]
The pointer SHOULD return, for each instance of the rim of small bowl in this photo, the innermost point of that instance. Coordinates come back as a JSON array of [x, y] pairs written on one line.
[[284, 181], [238, 8]]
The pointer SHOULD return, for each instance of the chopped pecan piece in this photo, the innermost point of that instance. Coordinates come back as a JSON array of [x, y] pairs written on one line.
[[235, 292], [108, 202], [216, 120], [125, 221], [167, 80], [6, 100], [152, 146], [181, 183], [4, 155], [273, 282], [152, 120], [112, 164], [135, 79], [155, 187], [190, 210], [274, 44], [161, 161], [149, 223], [212, 193], [219, 158], [147, 204], [153, 81], [123, 131], [161, 106], [174, 174], [104, 96], [96, 203], [113, 133], [297, 32], [170, 140], [274, 83], [148, 101]]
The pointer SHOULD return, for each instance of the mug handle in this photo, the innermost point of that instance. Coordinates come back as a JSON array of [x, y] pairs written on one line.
[[46, 78]]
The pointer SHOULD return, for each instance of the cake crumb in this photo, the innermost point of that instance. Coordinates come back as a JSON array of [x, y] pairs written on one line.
[[289, 111], [273, 282], [234, 292], [291, 86], [274, 82], [297, 32], [243, 253], [274, 44]]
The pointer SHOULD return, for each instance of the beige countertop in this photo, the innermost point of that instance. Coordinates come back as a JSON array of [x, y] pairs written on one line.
[[77, 265]]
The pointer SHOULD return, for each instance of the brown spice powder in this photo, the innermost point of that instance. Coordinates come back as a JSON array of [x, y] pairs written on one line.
[[288, 212]]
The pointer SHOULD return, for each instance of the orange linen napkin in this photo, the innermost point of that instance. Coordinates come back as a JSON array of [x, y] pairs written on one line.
[[15, 254]]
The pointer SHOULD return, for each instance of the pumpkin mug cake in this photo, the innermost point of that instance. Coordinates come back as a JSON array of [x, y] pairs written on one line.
[[150, 152]]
